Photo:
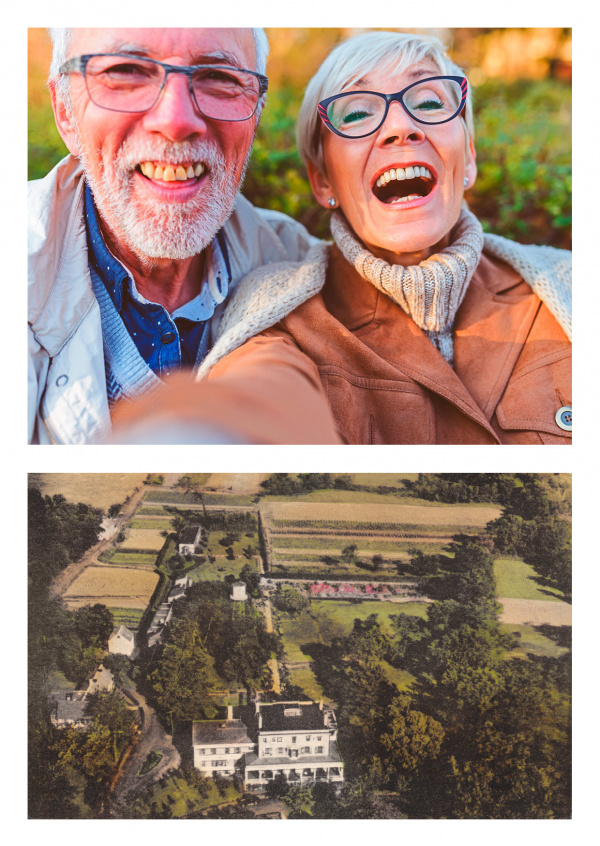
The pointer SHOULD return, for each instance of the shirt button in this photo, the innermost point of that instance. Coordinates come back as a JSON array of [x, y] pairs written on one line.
[[168, 338], [564, 418]]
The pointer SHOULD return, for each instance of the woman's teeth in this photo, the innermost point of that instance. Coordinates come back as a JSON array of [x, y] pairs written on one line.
[[403, 173], [171, 173]]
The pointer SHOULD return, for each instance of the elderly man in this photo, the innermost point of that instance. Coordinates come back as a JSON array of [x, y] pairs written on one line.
[[139, 235]]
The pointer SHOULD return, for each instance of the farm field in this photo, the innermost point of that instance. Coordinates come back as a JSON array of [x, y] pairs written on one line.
[[130, 617], [100, 490], [160, 523], [199, 479], [133, 559], [147, 539], [115, 587], [237, 483], [208, 572], [390, 480], [318, 544], [517, 580], [458, 517]]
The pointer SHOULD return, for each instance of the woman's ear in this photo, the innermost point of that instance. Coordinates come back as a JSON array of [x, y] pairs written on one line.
[[470, 164], [64, 120], [320, 185]]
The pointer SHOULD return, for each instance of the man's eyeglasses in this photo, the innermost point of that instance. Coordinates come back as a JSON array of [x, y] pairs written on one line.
[[122, 82], [356, 114]]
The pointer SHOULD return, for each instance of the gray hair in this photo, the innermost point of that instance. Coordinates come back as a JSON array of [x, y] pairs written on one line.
[[61, 40], [357, 57]]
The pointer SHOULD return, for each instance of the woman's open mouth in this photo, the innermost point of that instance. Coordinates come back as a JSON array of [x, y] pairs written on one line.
[[401, 185]]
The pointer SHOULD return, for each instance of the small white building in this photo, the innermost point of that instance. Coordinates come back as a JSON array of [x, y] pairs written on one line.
[[238, 591], [122, 642], [190, 538], [101, 682]]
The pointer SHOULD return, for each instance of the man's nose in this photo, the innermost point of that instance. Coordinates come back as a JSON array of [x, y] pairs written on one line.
[[174, 114], [399, 127]]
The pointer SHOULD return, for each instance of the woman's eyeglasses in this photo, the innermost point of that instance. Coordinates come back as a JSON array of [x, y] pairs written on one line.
[[356, 114]]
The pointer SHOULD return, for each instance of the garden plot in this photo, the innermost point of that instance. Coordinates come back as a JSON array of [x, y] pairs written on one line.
[[146, 539], [119, 587]]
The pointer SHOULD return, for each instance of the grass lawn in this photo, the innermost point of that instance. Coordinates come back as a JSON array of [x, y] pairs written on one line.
[[151, 523], [532, 642], [58, 681], [326, 619], [305, 678], [237, 546], [130, 617], [365, 545], [516, 580], [208, 572], [180, 797], [146, 559]]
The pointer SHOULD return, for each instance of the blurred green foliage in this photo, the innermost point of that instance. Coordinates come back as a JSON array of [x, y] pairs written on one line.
[[523, 142]]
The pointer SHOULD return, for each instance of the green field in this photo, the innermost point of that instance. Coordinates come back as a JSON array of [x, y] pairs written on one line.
[[517, 580], [137, 559], [208, 572], [157, 510], [229, 499], [326, 619], [130, 617], [151, 523], [391, 480], [365, 545], [532, 642]]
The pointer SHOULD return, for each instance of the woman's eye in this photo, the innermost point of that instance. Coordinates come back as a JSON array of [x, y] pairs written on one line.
[[429, 105], [352, 117]]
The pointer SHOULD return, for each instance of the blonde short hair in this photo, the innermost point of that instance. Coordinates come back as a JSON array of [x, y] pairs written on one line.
[[357, 57]]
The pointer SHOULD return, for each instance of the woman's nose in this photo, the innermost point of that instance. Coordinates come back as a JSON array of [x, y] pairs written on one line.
[[399, 128]]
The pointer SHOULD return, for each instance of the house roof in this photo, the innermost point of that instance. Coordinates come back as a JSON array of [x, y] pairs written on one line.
[[122, 631], [219, 732], [291, 716], [189, 534]]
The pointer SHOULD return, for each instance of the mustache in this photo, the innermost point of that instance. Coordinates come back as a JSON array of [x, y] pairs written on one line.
[[132, 153]]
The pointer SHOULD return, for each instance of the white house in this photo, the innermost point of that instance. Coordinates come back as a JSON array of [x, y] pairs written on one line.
[[189, 540], [295, 741], [67, 707], [238, 591], [220, 745], [121, 642]]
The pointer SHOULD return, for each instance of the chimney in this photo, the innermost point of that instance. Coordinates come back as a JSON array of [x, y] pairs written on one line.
[[320, 704], [259, 720], [230, 712]]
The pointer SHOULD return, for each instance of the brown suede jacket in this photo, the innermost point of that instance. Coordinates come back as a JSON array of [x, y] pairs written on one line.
[[387, 384]]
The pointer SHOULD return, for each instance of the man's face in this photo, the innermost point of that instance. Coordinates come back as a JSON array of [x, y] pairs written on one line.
[[156, 218]]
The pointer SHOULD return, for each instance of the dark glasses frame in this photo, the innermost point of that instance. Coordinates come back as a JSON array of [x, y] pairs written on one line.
[[398, 97], [78, 64]]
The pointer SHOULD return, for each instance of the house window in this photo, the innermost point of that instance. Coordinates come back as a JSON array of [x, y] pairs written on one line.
[[319, 737], [279, 740], [226, 750], [280, 750], [237, 750], [305, 750], [319, 750], [213, 751], [307, 737], [252, 774], [201, 752], [269, 751], [293, 739]]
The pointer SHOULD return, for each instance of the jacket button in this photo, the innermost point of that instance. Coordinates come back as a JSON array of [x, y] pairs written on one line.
[[62, 380], [168, 338], [564, 418]]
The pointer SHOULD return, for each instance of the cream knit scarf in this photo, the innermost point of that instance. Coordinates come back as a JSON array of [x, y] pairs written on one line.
[[430, 292]]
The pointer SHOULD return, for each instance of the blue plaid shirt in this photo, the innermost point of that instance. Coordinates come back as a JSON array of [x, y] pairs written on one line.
[[166, 342]]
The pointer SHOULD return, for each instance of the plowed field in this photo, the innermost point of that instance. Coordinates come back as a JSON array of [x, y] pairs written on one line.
[[351, 512], [123, 587]]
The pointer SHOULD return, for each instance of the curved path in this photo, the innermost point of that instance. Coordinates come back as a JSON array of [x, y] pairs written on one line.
[[152, 737]]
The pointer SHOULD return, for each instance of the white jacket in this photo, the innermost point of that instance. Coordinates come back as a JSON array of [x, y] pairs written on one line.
[[66, 377]]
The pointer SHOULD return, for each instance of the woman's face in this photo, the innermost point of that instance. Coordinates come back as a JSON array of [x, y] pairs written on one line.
[[400, 231]]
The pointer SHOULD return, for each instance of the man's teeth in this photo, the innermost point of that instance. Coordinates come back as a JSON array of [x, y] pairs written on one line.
[[403, 173], [171, 173]]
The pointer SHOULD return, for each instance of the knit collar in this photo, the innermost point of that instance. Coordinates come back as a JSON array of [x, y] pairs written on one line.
[[430, 292]]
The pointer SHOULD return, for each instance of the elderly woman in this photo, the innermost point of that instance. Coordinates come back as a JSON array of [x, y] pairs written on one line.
[[422, 329]]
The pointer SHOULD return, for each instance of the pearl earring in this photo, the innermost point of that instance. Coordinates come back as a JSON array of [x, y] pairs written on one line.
[[332, 202], [465, 181]]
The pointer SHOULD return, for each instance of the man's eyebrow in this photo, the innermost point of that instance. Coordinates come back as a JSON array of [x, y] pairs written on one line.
[[217, 57]]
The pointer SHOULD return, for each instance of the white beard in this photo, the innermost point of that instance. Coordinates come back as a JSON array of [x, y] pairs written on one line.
[[159, 229]]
